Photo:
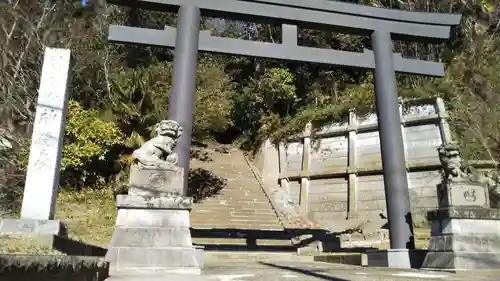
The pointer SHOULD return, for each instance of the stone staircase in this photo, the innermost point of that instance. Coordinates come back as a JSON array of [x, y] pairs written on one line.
[[239, 208], [241, 217]]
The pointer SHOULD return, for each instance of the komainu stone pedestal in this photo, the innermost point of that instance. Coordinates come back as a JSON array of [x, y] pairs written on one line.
[[464, 238], [465, 231], [152, 232]]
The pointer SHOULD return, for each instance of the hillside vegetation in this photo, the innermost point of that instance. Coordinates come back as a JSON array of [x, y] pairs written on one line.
[[119, 92]]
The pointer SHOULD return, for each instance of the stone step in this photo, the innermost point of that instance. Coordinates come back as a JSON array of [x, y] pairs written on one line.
[[235, 200], [233, 211], [236, 241], [234, 188], [238, 226], [238, 199], [151, 237], [231, 214], [219, 216], [195, 221], [240, 223], [208, 214], [238, 194], [229, 202], [235, 214], [221, 209], [254, 256], [154, 257], [226, 218], [379, 235], [230, 208]]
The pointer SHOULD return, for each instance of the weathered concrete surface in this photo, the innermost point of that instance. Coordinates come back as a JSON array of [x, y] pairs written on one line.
[[147, 181], [152, 226], [34, 226], [464, 237], [396, 258], [303, 270], [152, 240]]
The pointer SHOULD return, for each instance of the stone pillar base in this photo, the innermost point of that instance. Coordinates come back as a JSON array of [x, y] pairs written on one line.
[[33, 226], [48, 233], [152, 235], [464, 238], [396, 258]]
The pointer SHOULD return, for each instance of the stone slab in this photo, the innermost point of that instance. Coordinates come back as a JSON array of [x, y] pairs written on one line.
[[153, 240], [396, 258], [164, 202], [153, 218], [466, 243], [464, 213], [461, 261], [160, 277], [151, 237], [465, 226], [33, 226], [156, 258], [352, 259], [151, 181]]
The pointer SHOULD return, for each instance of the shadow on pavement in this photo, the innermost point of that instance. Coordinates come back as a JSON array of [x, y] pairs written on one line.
[[331, 243], [304, 271]]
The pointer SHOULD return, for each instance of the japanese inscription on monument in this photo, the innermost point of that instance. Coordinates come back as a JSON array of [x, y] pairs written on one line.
[[48, 132]]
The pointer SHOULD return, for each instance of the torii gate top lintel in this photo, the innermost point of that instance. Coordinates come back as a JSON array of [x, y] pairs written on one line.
[[317, 14]]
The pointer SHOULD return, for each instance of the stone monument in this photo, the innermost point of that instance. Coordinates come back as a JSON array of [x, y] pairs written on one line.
[[465, 231], [152, 232], [42, 176]]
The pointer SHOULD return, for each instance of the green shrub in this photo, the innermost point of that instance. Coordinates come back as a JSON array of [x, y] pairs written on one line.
[[89, 147]]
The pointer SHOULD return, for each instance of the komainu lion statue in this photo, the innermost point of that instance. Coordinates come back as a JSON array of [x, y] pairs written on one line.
[[158, 151], [451, 162]]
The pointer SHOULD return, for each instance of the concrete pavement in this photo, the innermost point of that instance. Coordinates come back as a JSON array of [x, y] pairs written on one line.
[[305, 270]]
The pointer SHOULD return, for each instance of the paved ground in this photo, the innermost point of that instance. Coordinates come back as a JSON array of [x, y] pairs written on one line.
[[303, 270]]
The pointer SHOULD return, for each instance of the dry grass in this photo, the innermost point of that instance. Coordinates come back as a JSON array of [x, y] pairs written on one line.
[[25, 245], [90, 215]]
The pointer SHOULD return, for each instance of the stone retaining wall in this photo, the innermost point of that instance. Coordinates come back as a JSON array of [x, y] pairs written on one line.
[[335, 172]]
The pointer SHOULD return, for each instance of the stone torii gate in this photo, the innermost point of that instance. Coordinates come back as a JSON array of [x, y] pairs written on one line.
[[382, 25]]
